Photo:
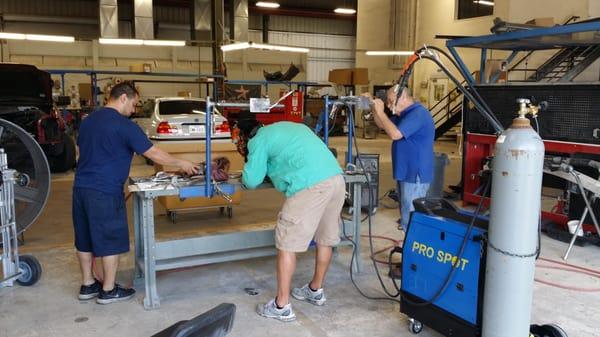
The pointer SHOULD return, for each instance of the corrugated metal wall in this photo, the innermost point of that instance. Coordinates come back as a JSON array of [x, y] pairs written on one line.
[[311, 25], [73, 8]]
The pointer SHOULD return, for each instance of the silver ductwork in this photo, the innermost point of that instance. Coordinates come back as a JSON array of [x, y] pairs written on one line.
[[239, 22], [109, 19], [143, 19], [403, 23]]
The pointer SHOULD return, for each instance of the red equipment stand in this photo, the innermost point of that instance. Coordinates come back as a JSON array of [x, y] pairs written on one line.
[[292, 111], [480, 146]]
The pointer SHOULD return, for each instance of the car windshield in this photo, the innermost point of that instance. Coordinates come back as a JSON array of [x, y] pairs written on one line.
[[180, 107]]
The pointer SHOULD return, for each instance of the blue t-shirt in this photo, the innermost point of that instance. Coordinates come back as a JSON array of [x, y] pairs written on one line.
[[107, 141], [413, 154]]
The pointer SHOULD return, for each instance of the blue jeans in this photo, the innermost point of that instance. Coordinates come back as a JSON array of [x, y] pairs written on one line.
[[409, 192]]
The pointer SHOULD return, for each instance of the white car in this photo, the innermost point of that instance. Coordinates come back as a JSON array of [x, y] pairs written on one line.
[[180, 118]]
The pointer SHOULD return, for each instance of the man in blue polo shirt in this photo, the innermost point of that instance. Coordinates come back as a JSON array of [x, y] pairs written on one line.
[[412, 130], [107, 140]]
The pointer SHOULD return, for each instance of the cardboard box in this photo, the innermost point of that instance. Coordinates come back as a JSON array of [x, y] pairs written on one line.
[[140, 68], [85, 91], [351, 76], [360, 76], [341, 76], [542, 22], [314, 106], [196, 152], [493, 66]]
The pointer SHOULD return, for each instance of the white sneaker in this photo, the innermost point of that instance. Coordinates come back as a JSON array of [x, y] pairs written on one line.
[[306, 294], [270, 310]]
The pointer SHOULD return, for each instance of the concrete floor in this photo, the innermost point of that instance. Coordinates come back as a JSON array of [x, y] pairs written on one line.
[[50, 307]]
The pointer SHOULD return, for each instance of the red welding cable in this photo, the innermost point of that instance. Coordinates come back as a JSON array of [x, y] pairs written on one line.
[[569, 268], [569, 265], [395, 244]]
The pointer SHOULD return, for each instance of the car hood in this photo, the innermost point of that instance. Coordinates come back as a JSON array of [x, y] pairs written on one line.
[[24, 85]]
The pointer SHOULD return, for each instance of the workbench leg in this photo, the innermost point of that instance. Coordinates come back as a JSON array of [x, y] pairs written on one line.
[[138, 244], [356, 204], [151, 299]]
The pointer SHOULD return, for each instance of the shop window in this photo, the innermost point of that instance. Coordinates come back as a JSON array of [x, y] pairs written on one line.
[[474, 8]]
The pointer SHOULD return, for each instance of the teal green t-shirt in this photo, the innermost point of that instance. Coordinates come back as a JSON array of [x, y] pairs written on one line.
[[291, 155]]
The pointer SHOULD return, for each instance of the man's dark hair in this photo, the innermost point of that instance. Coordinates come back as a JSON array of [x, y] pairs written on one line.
[[247, 123], [126, 88]]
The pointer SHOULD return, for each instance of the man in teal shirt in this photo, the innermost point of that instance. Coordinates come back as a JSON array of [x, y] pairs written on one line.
[[301, 166]]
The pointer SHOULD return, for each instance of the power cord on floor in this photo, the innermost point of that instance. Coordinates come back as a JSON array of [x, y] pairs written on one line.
[[391, 296]]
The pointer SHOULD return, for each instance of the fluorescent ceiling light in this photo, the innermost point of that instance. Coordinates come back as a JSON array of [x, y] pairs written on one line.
[[131, 42], [484, 2], [246, 45], [267, 4], [37, 37], [12, 36], [235, 46], [51, 38], [173, 43], [389, 53], [345, 10]]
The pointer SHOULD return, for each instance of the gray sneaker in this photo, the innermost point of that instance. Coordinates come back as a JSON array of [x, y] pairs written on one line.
[[270, 310], [306, 294]]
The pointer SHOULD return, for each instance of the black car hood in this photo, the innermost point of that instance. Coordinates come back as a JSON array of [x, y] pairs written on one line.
[[24, 85]]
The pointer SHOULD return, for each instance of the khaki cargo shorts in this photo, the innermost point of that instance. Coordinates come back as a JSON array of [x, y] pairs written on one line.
[[311, 213]]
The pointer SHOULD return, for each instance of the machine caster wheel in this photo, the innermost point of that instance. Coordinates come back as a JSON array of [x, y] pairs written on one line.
[[31, 270], [547, 330], [229, 212], [415, 326], [172, 216]]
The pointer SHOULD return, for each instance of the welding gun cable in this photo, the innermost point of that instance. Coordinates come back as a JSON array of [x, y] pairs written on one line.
[[370, 223], [473, 89], [478, 105], [352, 274], [370, 235]]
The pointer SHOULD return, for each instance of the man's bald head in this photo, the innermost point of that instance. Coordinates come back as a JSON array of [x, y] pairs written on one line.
[[397, 105]]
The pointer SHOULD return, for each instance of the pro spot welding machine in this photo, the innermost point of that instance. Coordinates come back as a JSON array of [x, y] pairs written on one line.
[[435, 235], [443, 271]]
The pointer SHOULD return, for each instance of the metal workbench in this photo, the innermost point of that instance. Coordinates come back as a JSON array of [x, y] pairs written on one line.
[[152, 256]]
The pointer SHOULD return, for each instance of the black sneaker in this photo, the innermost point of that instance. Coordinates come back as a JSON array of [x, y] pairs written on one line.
[[91, 291], [118, 294]]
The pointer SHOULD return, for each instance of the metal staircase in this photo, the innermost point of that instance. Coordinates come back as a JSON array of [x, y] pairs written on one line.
[[566, 64], [447, 113]]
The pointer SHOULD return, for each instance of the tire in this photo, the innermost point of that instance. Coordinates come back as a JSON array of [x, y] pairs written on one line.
[[415, 326], [65, 160], [547, 330], [31, 269]]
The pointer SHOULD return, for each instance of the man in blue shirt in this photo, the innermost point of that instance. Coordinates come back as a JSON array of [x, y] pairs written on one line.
[[107, 140], [412, 129]]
